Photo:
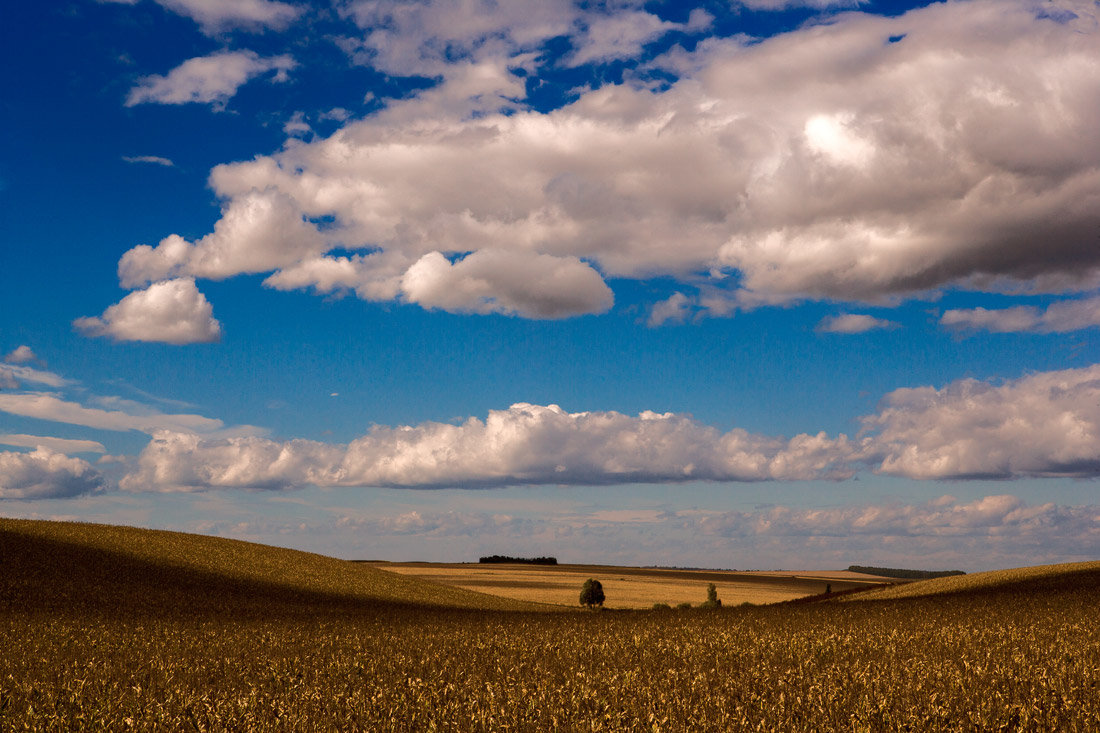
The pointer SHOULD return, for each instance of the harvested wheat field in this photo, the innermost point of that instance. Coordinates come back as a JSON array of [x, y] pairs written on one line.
[[113, 628], [632, 587]]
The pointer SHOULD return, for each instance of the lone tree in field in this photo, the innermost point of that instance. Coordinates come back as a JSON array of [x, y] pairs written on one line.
[[712, 597], [592, 593]]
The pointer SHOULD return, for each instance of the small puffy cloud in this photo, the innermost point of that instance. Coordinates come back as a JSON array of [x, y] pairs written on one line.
[[673, 310], [20, 355], [523, 445], [125, 416], [215, 16], [45, 474], [502, 281], [1045, 424], [171, 312], [57, 445], [1070, 315], [153, 159], [218, 15], [853, 323], [622, 34], [297, 125], [425, 36], [258, 232], [208, 79]]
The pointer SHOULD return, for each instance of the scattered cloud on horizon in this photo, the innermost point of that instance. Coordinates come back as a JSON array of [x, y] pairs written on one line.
[[946, 533]]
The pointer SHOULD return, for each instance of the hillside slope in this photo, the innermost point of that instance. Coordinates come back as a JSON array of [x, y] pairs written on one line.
[[1038, 578], [63, 565]]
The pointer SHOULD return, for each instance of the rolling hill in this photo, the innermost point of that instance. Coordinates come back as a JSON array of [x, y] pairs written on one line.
[[65, 565], [1038, 578]]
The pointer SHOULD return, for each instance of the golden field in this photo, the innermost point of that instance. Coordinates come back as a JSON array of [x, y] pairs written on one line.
[[627, 587], [115, 629]]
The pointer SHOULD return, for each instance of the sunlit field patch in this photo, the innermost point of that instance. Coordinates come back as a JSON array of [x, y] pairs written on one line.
[[631, 587], [266, 656]]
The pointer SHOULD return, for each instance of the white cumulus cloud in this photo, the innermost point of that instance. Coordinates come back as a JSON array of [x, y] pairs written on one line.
[[825, 163], [208, 79], [1044, 424], [45, 474], [525, 444], [171, 312], [511, 282], [853, 323], [1061, 317], [20, 355]]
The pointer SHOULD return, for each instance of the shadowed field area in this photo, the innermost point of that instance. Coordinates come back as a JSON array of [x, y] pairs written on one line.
[[64, 565], [108, 629], [627, 587]]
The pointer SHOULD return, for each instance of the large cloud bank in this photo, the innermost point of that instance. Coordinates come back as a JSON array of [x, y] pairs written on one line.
[[867, 159], [525, 444], [44, 474], [1045, 424]]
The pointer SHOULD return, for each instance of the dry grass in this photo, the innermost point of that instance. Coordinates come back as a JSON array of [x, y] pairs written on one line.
[[200, 643], [630, 587], [1036, 577], [103, 564]]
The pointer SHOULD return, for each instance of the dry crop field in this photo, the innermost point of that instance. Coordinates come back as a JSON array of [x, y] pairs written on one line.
[[631, 587], [122, 629]]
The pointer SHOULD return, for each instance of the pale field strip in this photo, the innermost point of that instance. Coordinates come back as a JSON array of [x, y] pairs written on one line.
[[627, 587]]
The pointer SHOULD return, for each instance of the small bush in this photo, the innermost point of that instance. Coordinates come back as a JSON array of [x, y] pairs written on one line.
[[661, 607], [712, 598], [683, 606], [592, 593]]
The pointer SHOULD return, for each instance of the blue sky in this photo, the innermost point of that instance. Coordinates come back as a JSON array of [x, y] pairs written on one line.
[[772, 283]]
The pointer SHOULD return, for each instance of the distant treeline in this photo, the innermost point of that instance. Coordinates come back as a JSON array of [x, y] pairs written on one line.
[[906, 574], [525, 560]]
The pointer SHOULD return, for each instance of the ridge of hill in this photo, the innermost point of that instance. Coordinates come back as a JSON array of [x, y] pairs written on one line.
[[50, 566], [1064, 576]]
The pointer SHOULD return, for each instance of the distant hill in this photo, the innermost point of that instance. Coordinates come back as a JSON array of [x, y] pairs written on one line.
[[902, 573], [1037, 579], [51, 566]]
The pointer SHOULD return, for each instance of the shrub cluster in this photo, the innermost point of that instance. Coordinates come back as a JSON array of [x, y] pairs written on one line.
[[501, 559], [902, 573]]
